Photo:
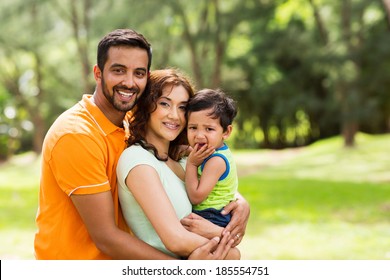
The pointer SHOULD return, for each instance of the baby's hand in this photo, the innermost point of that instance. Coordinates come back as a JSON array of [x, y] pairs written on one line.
[[199, 153]]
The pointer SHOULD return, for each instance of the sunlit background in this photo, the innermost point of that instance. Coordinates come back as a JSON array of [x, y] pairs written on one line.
[[311, 78]]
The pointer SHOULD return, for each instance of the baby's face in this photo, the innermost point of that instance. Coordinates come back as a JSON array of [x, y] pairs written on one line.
[[202, 129]]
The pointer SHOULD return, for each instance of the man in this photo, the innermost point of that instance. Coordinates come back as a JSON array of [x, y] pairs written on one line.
[[79, 215]]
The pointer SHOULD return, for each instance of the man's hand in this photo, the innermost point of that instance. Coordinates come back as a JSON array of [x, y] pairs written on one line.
[[213, 249], [240, 214]]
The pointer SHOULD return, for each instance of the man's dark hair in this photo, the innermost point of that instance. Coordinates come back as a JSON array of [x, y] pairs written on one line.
[[121, 37], [223, 107]]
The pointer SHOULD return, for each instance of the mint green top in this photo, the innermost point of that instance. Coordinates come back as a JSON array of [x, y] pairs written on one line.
[[225, 189], [132, 211]]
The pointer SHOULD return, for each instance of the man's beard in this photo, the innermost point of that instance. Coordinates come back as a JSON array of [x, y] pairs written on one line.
[[117, 104]]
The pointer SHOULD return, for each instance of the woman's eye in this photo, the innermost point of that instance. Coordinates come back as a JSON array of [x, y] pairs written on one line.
[[164, 104]]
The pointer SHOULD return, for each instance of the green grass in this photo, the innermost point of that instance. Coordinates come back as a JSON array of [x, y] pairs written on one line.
[[317, 202], [309, 219], [19, 180], [309, 201]]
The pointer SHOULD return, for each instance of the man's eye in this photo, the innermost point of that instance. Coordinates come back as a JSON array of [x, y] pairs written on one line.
[[140, 74], [118, 70]]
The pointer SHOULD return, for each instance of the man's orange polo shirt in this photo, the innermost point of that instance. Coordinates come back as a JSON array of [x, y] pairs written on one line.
[[79, 156]]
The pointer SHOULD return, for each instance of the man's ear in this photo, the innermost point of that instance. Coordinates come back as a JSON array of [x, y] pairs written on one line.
[[97, 73], [227, 133]]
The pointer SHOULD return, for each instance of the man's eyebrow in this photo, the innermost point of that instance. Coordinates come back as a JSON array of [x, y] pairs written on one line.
[[124, 66], [117, 65], [141, 68]]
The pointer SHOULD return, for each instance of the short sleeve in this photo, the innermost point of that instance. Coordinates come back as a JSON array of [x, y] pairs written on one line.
[[131, 157], [79, 164]]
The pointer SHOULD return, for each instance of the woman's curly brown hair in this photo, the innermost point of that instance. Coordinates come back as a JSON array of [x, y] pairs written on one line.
[[158, 80]]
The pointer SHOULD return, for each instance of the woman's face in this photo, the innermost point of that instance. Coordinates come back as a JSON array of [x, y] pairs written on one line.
[[168, 120]]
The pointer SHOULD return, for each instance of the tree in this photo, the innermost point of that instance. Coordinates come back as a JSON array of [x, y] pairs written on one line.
[[25, 80], [78, 14], [206, 28]]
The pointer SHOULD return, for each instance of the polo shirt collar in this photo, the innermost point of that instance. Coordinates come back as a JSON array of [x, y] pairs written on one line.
[[100, 119]]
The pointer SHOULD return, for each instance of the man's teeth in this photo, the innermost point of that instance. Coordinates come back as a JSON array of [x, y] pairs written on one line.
[[125, 94]]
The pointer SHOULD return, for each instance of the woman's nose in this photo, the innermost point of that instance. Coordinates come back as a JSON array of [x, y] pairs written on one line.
[[173, 113]]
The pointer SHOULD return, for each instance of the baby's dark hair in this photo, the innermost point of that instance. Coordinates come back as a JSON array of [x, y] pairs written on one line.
[[223, 107]]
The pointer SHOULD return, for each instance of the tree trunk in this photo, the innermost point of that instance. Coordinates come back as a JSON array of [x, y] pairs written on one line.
[[349, 131], [320, 23], [349, 127], [386, 3], [81, 35], [219, 50], [34, 110], [188, 37]]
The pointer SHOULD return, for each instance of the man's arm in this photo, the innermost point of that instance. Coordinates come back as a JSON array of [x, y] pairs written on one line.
[[240, 211], [97, 213], [237, 226]]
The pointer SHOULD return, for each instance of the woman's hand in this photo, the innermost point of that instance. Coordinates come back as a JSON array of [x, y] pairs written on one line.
[[201, 226], [240, 214]]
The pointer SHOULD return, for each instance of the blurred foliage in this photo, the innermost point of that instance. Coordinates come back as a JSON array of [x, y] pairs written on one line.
[[301, 70]]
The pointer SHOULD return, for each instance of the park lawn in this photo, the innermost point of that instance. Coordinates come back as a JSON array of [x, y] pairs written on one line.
[[308, 219], [317, 202], [19, 181]]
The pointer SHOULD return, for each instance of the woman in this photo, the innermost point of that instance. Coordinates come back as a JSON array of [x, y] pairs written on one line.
[[151, 179]]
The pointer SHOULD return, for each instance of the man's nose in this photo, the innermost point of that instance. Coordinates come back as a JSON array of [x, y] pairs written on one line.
[[129, 81]]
